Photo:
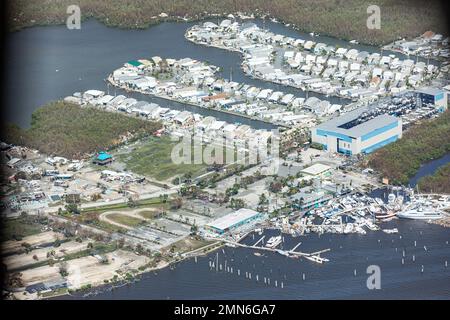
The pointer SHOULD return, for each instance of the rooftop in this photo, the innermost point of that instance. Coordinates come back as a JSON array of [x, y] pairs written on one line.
[[102, 156], [233, 218], [316, 169], [342, 124]]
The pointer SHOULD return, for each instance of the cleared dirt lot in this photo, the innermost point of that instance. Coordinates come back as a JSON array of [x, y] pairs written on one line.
[[21, 260], [87, 270]]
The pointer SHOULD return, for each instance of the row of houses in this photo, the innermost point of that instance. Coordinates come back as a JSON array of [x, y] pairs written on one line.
[[315, 66]]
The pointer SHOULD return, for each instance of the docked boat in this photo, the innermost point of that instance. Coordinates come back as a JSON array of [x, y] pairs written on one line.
[[273, 242], [420, 213], [390, 231]]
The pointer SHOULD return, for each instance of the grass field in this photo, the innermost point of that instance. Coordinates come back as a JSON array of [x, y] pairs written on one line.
[[14, 229], [126, 220], [149, 214], [153, 158]]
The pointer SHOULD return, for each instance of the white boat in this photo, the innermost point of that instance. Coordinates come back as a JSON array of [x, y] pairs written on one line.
[[371, 226], [348, 228], [391, 198], [284, 253], [420, 213], [394, 230], [273, 242]]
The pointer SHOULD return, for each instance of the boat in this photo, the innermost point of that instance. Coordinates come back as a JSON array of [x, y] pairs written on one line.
[[391, 198], [257, 254], [389, 215], [420, 213], [389, 231], [348, 228], [283, 253], [353, 42], [273, 242], [231, 245]]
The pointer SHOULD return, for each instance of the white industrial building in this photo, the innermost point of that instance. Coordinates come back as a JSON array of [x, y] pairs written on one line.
[[233, 220]]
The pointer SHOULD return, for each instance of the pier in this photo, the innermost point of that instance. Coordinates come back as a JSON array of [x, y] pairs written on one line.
[[314, 257]]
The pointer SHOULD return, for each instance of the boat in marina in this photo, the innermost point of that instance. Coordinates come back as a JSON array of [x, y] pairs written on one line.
[[273, 242], [420, 213], [390, 231]]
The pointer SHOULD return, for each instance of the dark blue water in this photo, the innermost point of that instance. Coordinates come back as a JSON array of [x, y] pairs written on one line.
[[332, 280], [429, 168]]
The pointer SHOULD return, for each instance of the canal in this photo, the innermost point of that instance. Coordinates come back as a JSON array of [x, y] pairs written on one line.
[[51, 62]]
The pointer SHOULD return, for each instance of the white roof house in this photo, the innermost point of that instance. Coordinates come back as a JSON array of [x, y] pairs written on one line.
[[340, 52], [316, 169], [183, 117]]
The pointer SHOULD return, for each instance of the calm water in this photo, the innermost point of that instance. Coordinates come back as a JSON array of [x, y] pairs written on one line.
[[429, 168], [332, 280], [49, 63]]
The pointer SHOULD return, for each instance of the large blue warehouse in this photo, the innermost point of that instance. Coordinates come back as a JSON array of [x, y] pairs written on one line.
[[352, 134]]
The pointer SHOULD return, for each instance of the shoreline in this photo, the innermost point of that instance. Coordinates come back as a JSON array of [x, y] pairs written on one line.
[[137, 277]]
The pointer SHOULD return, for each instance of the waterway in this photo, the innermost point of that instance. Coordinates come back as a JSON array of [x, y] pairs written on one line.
[[51, 62], [429, 168]]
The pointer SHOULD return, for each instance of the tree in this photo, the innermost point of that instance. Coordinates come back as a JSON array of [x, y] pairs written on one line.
[[263, 199], [176, 203], [275, 186], [63, 269], [72, 208]]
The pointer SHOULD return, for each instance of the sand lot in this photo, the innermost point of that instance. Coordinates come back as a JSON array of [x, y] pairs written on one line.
[[41, 274], [20, 260], [34, 240], [87, 270]]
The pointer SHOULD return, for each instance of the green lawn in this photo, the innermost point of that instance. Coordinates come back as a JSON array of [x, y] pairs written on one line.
[[126, 220], [149, 214], [19, 228], [153, 158]]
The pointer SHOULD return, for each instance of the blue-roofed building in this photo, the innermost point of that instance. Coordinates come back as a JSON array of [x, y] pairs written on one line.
[[352, 134], [103, 158], [432, 97], [134, 63]]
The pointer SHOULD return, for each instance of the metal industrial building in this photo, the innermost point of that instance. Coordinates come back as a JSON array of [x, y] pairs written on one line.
[[233, 220], [352, 133]]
